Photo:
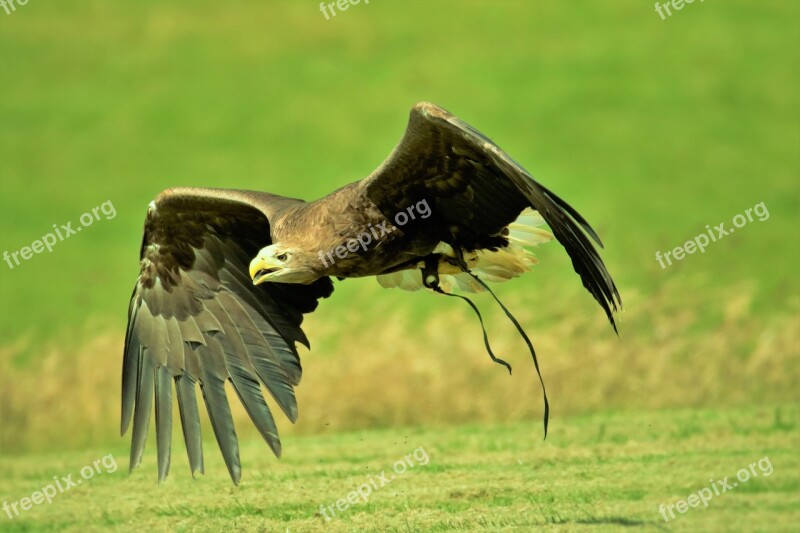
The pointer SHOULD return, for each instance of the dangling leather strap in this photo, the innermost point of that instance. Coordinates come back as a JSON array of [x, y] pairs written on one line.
[[430, 279]]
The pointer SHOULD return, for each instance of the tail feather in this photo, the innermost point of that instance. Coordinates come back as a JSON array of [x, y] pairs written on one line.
[[489, 265]]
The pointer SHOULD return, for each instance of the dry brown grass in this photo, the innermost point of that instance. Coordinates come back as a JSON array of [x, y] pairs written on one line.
[[400, 372]]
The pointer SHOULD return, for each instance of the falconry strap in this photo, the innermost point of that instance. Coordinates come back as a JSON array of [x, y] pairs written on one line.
[[430, 279]]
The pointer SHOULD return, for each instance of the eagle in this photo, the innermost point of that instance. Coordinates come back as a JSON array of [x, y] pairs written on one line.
[[226, 275]]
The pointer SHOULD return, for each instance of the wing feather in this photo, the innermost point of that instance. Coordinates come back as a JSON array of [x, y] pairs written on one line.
[[144, 402], [195, 317], [163, 392], [475, 190], [174, 344], [190, 332], [130, 368], [213, 386], [262, 358], [277, 345], [190, 419]]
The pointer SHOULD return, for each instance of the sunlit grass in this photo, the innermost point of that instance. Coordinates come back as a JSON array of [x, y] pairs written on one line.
[[600, 472]]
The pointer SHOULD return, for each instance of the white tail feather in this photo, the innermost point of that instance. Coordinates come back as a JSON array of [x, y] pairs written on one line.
[[495, 266]]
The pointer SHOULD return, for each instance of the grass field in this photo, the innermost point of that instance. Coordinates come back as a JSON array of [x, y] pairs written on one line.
[[653, 129], [604, 472]]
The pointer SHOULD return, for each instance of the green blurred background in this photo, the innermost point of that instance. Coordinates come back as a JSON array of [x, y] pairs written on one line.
[[651, 128]]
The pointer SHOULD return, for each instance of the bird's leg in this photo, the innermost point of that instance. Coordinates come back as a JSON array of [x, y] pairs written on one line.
[[430, 273], [460, 259]]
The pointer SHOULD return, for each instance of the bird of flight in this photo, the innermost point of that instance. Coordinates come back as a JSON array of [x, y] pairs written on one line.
[[227, 275]]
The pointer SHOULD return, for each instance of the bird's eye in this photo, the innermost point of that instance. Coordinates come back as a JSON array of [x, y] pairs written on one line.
[[281, 257]]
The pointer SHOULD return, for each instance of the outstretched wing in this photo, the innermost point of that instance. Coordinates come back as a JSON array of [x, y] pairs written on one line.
[[474, 190], [196, 318]]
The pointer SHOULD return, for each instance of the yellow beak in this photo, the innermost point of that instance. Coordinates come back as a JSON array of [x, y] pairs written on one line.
[[261, 267]]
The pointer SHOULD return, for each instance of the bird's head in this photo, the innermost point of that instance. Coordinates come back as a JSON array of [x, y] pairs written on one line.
[[283, 264]]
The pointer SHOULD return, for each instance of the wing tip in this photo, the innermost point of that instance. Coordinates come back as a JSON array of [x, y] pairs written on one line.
[[235, 472], [429, 109]]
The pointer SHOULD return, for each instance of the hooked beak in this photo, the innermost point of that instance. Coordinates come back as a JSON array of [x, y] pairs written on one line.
[[261, 268]]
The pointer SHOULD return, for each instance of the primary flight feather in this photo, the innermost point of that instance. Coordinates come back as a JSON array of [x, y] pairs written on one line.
[[227, 275]]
